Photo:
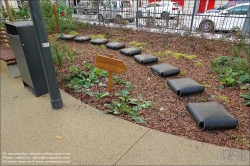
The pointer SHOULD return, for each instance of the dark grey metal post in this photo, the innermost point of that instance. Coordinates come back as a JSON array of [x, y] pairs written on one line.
[[45, 53], [246, 25], [167, 20], [192, 20], [136, 19], [98, 7], [178, 18]]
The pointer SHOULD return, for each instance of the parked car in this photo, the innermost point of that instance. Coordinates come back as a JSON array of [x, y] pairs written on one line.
[[227, 5], [225, 20], [85, 7], [117, 10], [160, 9]]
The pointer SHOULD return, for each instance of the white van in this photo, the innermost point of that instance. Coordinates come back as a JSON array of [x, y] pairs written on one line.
[[117, 10]]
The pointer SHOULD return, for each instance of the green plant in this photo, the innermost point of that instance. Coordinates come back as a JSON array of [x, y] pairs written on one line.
[[163, 53], [229, 78], [197, 64], [123, 96], [246, 98], [13, 12], [65, 78], [211, 76], [162, 59], [238, 50], [73, 33], [100, 95], [103, 46], [138, 44], [23, 13], [150, 52], [244, 78], [128, 86], [219, 64], [82, 80], [178, 55], [120, 39], [237, 137], [49, 18], [68, 23], [2, 25], [240, 138], [57, 55], [203, 99], [205, 84], [118, 80], [70, 54], [247, 50], [183, 72], [118, 107], [88, 92], [223, 99], [97, 36], [233, 78], [4, 13], [130, 106]]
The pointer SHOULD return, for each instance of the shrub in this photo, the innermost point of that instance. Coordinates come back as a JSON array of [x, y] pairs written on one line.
[[48, 13], [219, 64]]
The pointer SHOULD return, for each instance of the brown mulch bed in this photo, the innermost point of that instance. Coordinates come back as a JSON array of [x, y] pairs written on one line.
[[174, 119]]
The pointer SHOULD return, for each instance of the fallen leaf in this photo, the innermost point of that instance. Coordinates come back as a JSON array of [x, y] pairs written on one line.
[[59, 137]]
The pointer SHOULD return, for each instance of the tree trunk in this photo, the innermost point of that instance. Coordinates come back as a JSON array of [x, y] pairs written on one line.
[[9, 11]]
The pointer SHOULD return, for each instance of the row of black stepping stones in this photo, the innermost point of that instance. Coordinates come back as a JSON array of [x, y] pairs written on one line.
[[182, 87], [207, 115]]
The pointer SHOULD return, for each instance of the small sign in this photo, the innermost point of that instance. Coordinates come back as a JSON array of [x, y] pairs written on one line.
[[111, 65]]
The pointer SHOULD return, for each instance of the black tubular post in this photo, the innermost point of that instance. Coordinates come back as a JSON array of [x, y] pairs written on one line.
[[98, 6], [136, 19], [45, 53], [246, 26], [192, 20]]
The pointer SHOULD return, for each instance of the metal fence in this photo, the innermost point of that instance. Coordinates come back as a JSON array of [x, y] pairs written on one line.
[[170, 14], [160, 14]]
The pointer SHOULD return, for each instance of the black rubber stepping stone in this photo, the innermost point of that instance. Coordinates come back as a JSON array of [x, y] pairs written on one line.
[[185, 86], [82, 38], [115, 45], [67, 37], [99, 41], [130, 51], [145, 58], [211, 116], [165, 70]]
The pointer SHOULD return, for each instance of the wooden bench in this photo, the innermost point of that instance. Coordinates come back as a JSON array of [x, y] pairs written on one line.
[[7, 54]]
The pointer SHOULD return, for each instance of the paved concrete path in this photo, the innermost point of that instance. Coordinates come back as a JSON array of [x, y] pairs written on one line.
[[34, 134]]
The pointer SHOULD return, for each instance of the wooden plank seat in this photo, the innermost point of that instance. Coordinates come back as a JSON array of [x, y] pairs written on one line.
[[7, 54]]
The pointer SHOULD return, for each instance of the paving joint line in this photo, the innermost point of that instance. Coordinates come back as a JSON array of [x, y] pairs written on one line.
[[131, 147]]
